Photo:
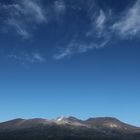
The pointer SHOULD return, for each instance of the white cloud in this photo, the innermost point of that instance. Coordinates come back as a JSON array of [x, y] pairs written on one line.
[[74, 47], [59, 6], [19, 27], [63, 53], [59, 10], [32, 8], [13, 56], [129, 24], [23, 15], [27, 58], [38, 57], [98, 28], [97, 32], [100, 21]]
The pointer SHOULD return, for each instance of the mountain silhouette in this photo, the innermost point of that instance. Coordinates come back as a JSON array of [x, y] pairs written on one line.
[[68, 128]]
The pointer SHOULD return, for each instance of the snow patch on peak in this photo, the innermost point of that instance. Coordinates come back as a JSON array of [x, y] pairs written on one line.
[[60, 118]]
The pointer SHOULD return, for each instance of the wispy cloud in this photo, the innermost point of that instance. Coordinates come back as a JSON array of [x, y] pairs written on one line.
[[97, 33], [19, 27], [74, 47], [104, 26], [23, 57], [99, 29], [100, 21], [59, 9], [59, 6], [24, 14], [38, 57], [129, 24], [33, 9]]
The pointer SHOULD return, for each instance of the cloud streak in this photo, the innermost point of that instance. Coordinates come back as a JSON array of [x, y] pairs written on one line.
[[96, 33], [103, 29], [74, 47], [23, 57], [100, 21], [129, 24], [60, 7], [23, 14]]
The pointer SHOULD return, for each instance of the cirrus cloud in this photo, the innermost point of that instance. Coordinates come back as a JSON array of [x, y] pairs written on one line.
[[129, 24], [104, 26], [22, 15], [23, 57]]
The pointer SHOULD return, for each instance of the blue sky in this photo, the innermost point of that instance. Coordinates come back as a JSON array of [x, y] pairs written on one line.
[[67, 57]]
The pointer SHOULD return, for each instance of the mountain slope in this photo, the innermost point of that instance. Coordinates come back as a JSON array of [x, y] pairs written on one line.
[[69, 128], [111, 123]]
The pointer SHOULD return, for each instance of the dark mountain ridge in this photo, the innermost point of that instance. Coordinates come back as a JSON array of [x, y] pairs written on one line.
[[105, 128]]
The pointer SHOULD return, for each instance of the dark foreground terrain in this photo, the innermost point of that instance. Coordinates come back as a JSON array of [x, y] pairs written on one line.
[[69, 128]]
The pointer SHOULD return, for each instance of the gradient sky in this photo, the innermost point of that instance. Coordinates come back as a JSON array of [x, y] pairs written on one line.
[[70, 57]]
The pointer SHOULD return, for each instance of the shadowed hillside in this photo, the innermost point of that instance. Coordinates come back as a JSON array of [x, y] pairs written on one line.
[[68, 128]]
